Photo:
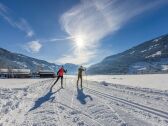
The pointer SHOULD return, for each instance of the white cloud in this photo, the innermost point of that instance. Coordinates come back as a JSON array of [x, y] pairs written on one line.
[[59, 39], [92, 20], [23, 25], [20, 23], [33, 46]]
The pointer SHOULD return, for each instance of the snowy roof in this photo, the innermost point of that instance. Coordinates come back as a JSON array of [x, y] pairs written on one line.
[[15, 70]]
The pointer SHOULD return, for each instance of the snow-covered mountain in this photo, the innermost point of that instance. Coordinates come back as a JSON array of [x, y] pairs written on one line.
[[72, 68], [13, 60], [148, 57]]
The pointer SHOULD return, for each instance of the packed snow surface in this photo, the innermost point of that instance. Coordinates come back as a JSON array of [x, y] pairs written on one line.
[[98, 103]]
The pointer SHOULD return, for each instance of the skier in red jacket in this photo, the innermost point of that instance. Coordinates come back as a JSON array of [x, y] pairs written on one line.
[[60, 74]]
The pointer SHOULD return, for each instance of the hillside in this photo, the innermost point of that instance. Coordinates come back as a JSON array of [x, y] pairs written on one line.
[[18, 61], [148, 57]]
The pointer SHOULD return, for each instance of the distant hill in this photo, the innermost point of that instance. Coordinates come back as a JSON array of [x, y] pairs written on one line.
[[148, 57], [18, 61]]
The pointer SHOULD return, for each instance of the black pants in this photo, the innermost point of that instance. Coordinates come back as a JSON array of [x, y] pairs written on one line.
[[79, 77], [57, 80]]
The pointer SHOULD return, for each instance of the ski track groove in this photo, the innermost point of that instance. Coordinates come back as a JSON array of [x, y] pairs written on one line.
[[81, 112], [130, 103], [73, 94], [100, 112], [143, 94], [59, 117]]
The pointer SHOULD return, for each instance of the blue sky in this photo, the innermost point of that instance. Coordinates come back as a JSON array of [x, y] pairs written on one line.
[[80, 32]]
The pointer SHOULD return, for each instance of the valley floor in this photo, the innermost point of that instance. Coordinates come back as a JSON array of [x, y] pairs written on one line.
[[97, 104]]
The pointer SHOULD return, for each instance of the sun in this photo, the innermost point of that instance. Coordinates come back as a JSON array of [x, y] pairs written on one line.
[[79, 41]]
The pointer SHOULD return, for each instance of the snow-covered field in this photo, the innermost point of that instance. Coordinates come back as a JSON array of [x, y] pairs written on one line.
[[102, 102], [157, 81]]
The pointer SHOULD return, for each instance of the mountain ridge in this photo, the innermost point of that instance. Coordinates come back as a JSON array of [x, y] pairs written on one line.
[[19, 61], [147, 57]]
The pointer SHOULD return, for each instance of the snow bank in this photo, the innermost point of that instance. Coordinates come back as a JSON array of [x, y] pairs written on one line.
[[157, 81], [17, 83]]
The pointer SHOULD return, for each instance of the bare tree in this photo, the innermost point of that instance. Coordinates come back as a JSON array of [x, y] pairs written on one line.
[[10, 72], [2, 66], [39, 68]]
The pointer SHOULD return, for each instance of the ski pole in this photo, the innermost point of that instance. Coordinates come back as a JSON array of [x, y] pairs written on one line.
[[65, 82], [86, 81], [86, 78]]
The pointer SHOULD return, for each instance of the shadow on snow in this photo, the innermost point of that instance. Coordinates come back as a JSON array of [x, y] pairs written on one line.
[[44, 99], [81, 96]]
